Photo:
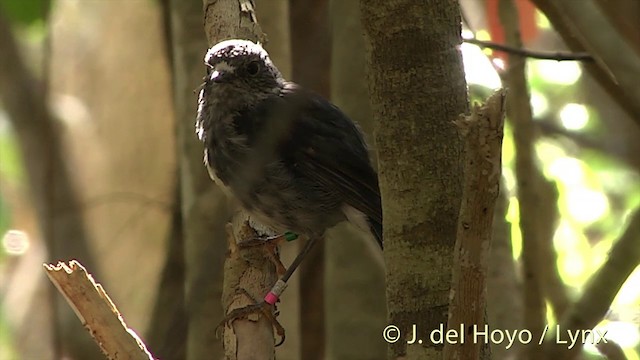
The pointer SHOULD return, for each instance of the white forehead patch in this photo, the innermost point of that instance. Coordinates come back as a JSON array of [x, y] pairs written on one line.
[[224, 67]]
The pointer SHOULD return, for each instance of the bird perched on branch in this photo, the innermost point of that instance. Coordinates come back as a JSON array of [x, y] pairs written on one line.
[[292, 159]]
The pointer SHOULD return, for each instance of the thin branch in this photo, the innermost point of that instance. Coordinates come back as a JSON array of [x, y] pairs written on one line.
[[611, 350], [249, 274], [597, 296], [552, 284], [482, 133], [97, 312], [542, 55], [528, 178]]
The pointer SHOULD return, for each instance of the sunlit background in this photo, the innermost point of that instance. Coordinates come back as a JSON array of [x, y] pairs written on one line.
[[596, 191]]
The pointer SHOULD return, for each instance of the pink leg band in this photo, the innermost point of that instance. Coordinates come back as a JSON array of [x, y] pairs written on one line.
[[275, 292], [271, 298]]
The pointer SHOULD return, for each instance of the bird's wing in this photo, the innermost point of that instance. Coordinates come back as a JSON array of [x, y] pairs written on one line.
[[326, 146]]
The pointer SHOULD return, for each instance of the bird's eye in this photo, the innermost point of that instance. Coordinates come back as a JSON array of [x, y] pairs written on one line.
[[253, 68]]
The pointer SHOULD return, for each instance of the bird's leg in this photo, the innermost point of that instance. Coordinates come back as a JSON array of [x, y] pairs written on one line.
[[272, 297], [264, 240], [280, 285], [270, 244]]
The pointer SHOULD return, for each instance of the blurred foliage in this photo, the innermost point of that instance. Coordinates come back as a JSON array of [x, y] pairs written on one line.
[[25, 12], [6, 351], [31, 14], [596, 191], [11, 169], [11, 174]]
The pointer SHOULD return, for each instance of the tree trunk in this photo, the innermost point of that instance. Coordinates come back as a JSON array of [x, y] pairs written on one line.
[[354, 274], [204, 207], [167, 331], [417, 87]]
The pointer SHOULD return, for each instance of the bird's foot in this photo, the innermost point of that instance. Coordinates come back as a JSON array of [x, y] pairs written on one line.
[[270, 244], [269, 240], [258, 307]]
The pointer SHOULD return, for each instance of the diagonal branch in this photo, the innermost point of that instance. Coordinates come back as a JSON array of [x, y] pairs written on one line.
[[97, 312], [597, 296], [584, 28]]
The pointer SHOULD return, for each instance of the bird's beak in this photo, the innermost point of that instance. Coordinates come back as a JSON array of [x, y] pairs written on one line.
[[222, 72], [218, 76]]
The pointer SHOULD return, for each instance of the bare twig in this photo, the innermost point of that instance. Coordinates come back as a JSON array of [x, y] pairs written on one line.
[[597, 296], [482, 133], [624, 18], [542, 55], [528, 176], [97, 312]]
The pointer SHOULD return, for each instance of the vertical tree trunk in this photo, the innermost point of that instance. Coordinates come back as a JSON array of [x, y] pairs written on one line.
[[168, 328], [354, 274], [529, 181], [417, 87], [204, 207], [310, 50]]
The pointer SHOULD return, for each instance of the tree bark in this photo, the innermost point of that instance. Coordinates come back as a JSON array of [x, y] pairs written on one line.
[[417, 87], [482, 132], [354, 271]]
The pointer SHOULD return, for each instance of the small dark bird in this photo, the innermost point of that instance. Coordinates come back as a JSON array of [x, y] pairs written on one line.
[[291, 158]]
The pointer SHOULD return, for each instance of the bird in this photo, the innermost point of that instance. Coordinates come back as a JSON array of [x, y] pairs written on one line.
[[291, 158]]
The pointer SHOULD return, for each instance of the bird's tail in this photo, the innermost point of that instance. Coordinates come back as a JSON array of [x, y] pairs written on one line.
[[376, 230]]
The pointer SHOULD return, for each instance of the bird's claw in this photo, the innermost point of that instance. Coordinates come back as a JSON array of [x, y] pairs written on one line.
[[270, 244], [257, 307]]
